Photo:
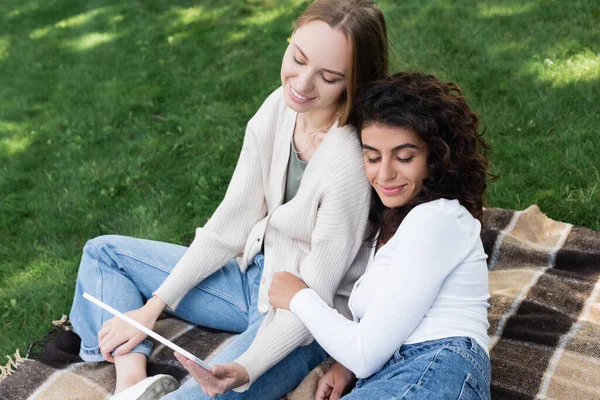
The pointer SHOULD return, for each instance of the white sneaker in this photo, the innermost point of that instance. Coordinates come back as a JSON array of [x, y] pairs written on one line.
[[151, 388]]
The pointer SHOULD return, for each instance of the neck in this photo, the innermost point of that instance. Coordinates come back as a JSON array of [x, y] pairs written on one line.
[[315, 120]]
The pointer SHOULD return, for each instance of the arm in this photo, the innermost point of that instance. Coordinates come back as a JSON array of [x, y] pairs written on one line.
[[217, 242], [224, 235], [427, 247], [332, 251]]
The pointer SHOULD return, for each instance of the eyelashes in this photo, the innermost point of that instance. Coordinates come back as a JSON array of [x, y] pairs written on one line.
[[327, 81], [376, 160]]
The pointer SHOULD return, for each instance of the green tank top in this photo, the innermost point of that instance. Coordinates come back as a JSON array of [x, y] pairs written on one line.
[[295, 170]]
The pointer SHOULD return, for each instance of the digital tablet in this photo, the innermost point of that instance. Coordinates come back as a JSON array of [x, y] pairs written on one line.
[[147, 331]]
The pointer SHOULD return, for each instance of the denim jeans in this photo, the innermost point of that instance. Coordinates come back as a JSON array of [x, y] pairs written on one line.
[[449, 368], [123, 272]]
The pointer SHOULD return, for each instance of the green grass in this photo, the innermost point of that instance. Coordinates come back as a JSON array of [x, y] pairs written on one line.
[[127, 117]]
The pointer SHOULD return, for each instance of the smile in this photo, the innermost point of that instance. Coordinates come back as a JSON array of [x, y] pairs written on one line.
[[392, 190], [298, 97]]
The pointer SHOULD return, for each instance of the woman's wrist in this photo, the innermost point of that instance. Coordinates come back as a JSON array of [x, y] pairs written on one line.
[[154, 306]]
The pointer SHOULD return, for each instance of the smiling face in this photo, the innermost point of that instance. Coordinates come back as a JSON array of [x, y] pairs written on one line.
[[396, 163], [314, 67]]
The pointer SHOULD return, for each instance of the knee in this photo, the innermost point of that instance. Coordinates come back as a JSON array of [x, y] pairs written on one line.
[[96, 247], [100, 241]]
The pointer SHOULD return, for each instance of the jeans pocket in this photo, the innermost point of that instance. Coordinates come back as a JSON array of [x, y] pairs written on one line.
[[470, 390]]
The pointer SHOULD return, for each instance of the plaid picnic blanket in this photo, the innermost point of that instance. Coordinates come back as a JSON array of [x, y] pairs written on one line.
[[544, 316]]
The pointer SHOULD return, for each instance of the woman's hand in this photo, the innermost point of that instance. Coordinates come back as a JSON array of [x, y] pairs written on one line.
[[334, 383], [220, 379], [284, 287], [116, 332]]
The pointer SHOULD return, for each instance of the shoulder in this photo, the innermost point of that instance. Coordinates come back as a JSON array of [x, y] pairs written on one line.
[[345, 136], [343, 149], [440, 218]]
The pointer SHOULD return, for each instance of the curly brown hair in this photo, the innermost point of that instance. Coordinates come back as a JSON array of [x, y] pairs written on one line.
[[438, 113]]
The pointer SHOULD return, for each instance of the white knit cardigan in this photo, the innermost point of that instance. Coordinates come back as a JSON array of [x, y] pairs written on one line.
[[316, 236]]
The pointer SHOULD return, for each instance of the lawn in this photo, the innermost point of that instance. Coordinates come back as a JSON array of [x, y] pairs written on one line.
[[127, 117]]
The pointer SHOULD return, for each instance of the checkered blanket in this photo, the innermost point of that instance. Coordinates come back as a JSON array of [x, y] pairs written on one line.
[[544, 316]]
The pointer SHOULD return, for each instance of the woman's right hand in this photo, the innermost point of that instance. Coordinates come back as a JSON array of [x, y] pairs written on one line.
[[118, 333], [334, 383]]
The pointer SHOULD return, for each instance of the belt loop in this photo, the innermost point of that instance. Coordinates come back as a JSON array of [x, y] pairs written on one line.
[[397, 355], [474, 346]]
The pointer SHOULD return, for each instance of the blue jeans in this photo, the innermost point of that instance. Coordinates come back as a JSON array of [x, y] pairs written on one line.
[[449, 368], [123, 272]]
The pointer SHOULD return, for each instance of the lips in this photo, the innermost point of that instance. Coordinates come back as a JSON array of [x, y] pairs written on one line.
[[297, 97], [392, 190]]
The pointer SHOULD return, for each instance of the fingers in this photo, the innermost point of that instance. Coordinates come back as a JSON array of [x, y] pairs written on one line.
[[110, 343], [102, 333], [106, 354], [218, 370], [104, 349], [210, 384], [323, 389], [197, 375], [336, 393], [129, 345]]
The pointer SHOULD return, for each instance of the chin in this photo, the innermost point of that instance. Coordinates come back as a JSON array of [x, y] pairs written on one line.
[[393, 203]]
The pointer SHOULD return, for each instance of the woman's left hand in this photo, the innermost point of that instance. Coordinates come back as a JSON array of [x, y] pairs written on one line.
[[220, 379], [284, 287]]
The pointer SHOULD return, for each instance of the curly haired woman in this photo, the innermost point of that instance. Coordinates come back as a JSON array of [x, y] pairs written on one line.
[[420, 310]]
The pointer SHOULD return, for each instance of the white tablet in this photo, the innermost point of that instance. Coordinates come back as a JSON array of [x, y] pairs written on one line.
[[147, 331]]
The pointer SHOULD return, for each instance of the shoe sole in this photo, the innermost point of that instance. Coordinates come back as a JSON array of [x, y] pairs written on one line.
[[159, 388]]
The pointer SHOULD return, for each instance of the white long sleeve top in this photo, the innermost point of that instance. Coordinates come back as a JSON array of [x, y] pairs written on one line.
[[315, 236], [429, 281]]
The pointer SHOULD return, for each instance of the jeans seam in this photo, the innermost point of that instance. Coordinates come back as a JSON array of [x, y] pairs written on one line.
[[477, 349], [469, 358], [99, 282], [472, 382], [218, 293], [424, 372]]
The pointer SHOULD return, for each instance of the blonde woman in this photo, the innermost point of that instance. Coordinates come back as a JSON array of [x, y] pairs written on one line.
[[298, 201]]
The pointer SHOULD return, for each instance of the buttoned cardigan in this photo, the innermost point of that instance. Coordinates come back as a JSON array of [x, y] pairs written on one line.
[[318, 235]]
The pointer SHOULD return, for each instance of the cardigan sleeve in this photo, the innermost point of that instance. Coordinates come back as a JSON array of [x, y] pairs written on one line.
[[427, 247], [343, 210], [224, 235]]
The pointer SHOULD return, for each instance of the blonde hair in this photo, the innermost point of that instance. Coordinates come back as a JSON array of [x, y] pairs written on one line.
[[364, 24]]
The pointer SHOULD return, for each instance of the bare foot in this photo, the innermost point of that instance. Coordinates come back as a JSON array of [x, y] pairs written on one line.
[[131, 369]]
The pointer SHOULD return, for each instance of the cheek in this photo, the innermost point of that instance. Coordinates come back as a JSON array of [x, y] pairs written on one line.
[[371, 171], [418, 171], [285, 70], [329, 92], [337, 90]]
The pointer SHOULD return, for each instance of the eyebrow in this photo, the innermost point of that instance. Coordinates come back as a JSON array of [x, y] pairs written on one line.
[[324, 69], [400, 147]]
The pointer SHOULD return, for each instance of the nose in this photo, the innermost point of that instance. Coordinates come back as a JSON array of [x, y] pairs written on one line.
[[386, 170], [304, 83]]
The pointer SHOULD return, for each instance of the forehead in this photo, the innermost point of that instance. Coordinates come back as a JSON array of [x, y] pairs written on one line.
[[324, 46], [387, 137]]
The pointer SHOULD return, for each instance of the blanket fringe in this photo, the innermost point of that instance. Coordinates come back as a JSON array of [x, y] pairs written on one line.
[[63, 322], [11, 366]]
